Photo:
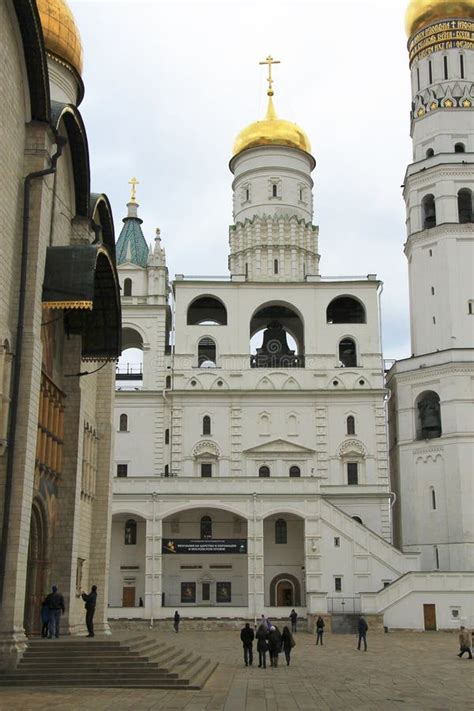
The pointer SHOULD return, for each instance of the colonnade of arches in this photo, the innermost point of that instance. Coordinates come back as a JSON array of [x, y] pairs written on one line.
[[465, 201], [276, 331], [196, 571]]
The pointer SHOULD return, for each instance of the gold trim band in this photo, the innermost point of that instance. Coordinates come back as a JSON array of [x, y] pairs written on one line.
[[68, 305]]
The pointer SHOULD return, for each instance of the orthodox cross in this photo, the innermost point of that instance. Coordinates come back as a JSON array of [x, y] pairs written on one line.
[[133, 182], [270, 61]]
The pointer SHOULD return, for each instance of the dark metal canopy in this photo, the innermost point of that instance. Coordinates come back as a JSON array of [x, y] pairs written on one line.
[[82, 280]]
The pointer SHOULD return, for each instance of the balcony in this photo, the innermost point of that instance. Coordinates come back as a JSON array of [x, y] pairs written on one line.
[[278, 360]]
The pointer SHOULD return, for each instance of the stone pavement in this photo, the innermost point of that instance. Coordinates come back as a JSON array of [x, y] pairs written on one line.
[[400, 671]]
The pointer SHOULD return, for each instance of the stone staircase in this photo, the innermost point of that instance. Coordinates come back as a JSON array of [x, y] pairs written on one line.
[[140, 662]]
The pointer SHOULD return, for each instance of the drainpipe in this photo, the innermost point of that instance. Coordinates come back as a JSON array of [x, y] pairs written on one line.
[[254, 561], [17, 362]]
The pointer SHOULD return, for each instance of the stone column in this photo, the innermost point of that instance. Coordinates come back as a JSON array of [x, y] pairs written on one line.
[[313, 564], [256, 577], [153, 561]]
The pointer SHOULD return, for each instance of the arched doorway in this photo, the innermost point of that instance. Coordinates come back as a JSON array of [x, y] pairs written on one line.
[[285, 594], [37, 571], [285, 591]]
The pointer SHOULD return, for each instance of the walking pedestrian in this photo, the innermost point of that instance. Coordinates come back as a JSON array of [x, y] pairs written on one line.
[[262, 645], [287, 644], [319, 630], [56, 608], [177, 620], [294, 620], [274, 645], [362, 627], [91, 601], [44, 618], [247, 636], [464, 642]]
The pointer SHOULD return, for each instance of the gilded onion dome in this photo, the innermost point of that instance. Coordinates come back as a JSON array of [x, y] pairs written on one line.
[[421, 13], [61, 36], [272, 131]]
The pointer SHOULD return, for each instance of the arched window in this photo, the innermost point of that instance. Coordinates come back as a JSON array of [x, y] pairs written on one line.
[[358, 519], [130, 537], [465, 206], [123, 426], [207, 310], [459, 148], [206, 527], [295, 471], [206, 425], [274, 190], [127, 287], [347, 353], [264, 472], [428, 414], [206, 353], [345, 309], [167, 436], [281, 531], [350, 422], [275, 266], [428, 208], [429, 153], [167, 470], [168, 382]]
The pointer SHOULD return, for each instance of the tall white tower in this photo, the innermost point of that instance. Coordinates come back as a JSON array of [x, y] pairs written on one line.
[[431, 409], [273, 237]]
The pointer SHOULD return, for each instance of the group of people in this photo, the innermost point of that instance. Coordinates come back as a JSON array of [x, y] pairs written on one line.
[[269, 640], [53, 607]]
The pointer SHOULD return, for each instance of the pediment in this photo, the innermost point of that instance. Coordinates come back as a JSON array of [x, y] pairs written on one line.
[[279, 446]]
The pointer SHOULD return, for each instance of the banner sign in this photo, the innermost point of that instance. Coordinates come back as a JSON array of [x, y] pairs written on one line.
[[185, 546], [450, 34]]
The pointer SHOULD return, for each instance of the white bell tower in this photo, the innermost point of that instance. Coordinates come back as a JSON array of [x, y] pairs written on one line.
[[431, 408]]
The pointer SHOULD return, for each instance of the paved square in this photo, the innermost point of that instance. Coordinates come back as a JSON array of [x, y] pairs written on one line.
[[399, 671]]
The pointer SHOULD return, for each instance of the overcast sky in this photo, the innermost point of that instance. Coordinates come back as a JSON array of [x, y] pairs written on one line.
[[169, 85]]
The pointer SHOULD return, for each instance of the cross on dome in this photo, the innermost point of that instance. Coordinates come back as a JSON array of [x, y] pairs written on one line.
[[270, 62], [133, 182]]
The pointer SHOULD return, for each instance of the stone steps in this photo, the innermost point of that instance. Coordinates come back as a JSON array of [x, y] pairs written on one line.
[[142, 661]]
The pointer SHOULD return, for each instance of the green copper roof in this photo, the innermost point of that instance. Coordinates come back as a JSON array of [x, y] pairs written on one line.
[[131, 245]]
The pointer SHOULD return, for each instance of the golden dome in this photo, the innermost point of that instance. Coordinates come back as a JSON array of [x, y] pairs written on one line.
[[421, 13], [61, 36], [272, 131]]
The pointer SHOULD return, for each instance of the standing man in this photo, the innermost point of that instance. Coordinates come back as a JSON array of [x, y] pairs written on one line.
[[294, 619], [90, 601], [319, 630], [247, 636], [177, 620], [464, 642], [363, 627], [55, 603]]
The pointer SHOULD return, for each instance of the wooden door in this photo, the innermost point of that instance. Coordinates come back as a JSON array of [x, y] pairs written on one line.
[[429, 612], [128, 597], [285, 594]]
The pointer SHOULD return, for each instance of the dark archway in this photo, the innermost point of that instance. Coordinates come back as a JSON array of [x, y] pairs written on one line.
[[38, 569], [346, 309], [207, 310], [294, 582], [277, 337]]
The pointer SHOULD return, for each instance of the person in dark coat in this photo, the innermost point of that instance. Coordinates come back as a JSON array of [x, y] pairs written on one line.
[[177, 620], [247, 636], [362, 627], [44, 617], [287, 644], [91, 601], [262, 645], [55, 602], [274, 645], [319, 630], [294, 620]]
